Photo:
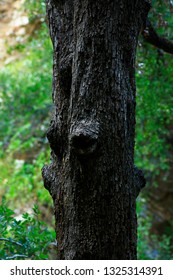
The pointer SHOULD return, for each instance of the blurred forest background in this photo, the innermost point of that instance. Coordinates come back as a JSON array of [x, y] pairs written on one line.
[[26, 211]]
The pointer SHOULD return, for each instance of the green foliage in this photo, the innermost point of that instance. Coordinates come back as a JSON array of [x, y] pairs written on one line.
[[154, 114], [161, 16], [144, 225], [25, 104], [154, 99], [26, 238], [151, 246], [25, 182], [25, 107], [25, 93], [35, 9], [154, 121]]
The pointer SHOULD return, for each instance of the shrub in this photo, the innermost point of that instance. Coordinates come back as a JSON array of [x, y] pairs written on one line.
[[26, 238]]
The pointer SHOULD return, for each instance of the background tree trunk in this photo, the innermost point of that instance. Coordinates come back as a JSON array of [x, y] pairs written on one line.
[[92, 178]]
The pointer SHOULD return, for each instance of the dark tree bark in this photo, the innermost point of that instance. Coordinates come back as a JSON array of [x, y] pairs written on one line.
[[92, 178]]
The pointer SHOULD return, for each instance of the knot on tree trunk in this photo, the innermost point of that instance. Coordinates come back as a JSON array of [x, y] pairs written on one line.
[[55, 139], [49, 177], [139, 180], [84, 137]]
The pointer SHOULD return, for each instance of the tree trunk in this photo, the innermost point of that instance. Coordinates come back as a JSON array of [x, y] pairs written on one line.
[[92, 178]]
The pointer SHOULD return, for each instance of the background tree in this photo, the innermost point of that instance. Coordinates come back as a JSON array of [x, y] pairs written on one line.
[[92, 178]]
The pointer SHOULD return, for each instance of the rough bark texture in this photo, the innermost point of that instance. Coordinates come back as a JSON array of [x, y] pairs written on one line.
[[92, 178]]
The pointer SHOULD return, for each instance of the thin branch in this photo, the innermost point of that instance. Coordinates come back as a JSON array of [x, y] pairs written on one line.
[[158, 41], [16, 256], [11, 241]]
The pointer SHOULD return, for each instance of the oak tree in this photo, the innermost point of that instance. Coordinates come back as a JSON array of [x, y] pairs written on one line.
[[92, 178]]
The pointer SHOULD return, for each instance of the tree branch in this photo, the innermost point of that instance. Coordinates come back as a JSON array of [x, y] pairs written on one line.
[[153, 38], [11, 241], [16, 256]]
